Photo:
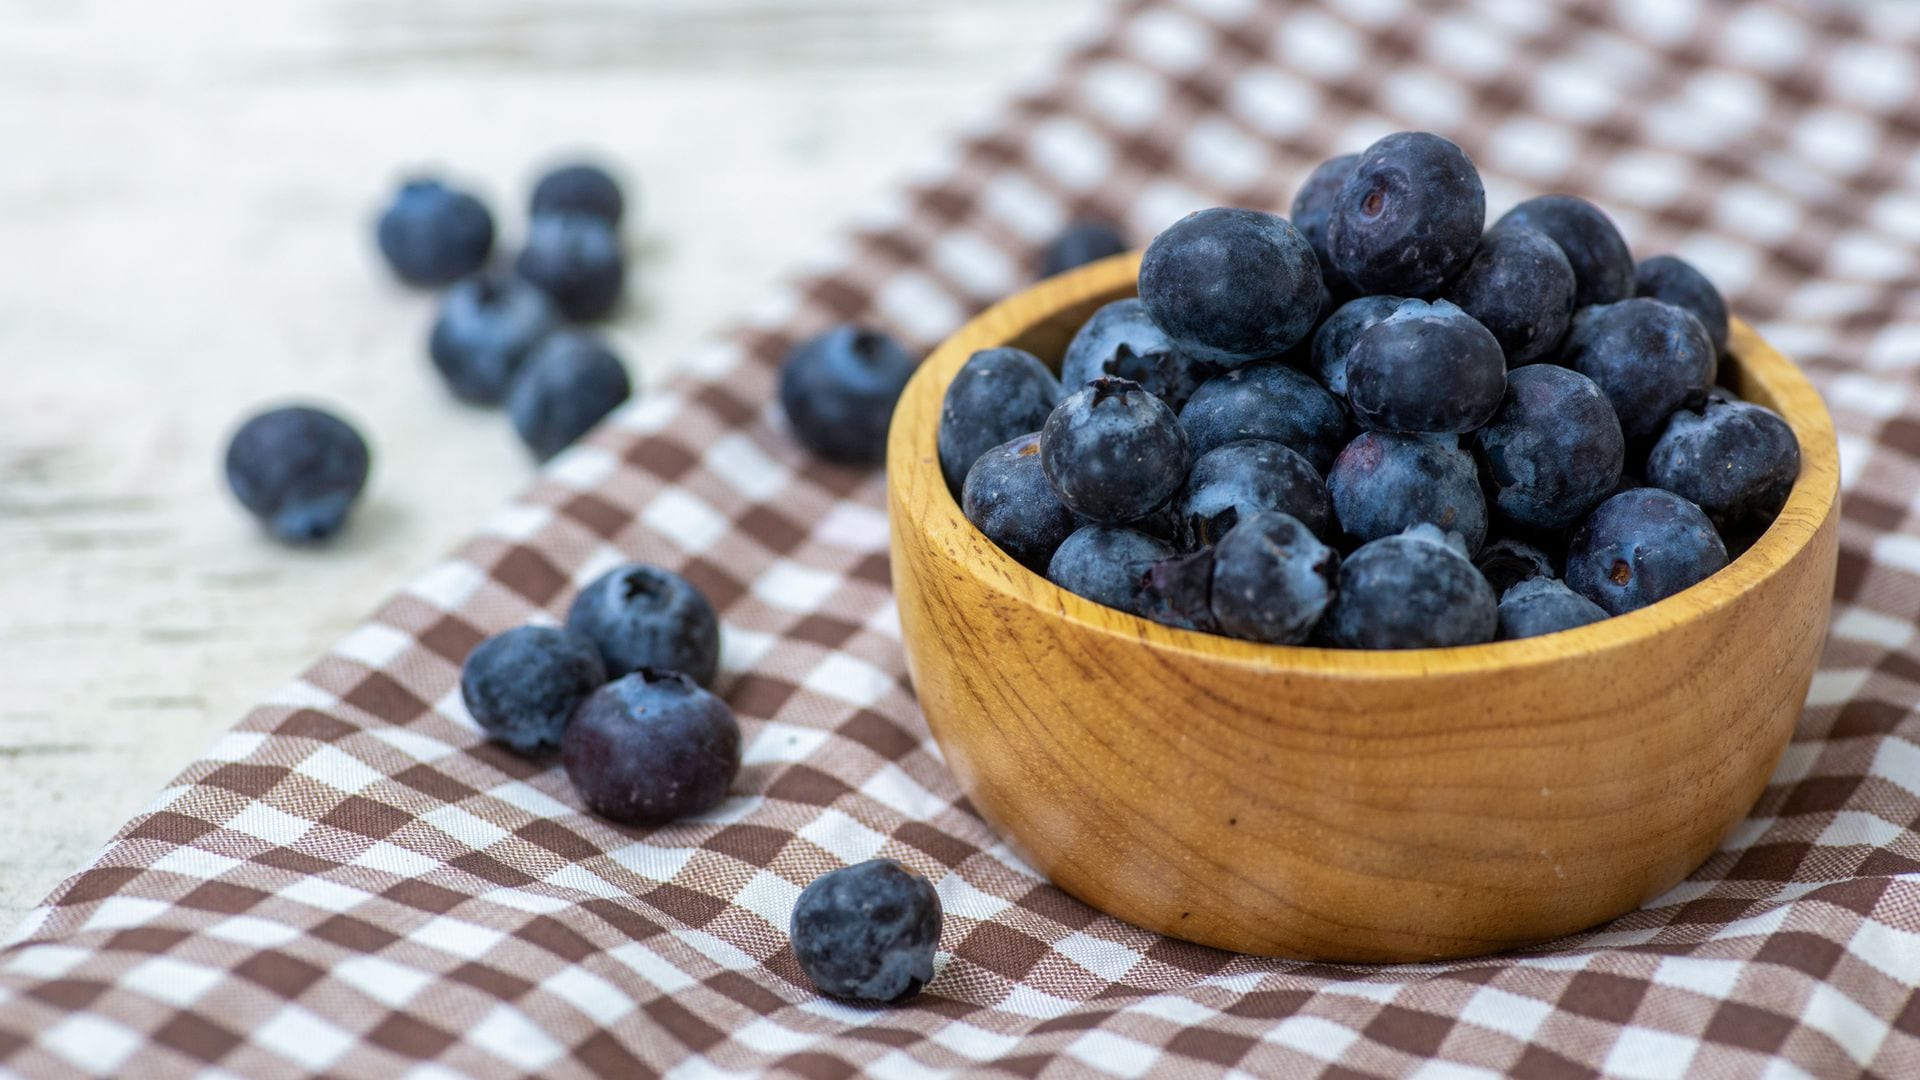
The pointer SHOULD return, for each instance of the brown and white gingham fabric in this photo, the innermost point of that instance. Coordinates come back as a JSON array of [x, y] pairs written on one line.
[[353, 883]]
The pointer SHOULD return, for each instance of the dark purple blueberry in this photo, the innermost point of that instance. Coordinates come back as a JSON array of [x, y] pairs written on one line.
[[433, 234], [1412, 591], [1602, 266], [1648, 357], [1428, 367], [1113, 451], [1544, 605], [1122, 342], [1506, 562], [1554, 449], [1230, 286], [569, 383], [641, 616], [867, 932], [1266, 401], [838, 391], [1313, 207], [1642, 546], [486, 327], [997, 394], [576, 260], [522, 686], [1333, 342], [1383, 484], [1519, 286], [1733, 459], [1082, 242], [1272, 579], [1675, 280], [1246, 477], [1408, 217], [651, 747], [580, 188], [299, 470], [1109, 566], [1008, 498]]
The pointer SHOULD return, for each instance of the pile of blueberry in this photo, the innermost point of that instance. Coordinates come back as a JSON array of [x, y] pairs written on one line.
[[1378, 426]]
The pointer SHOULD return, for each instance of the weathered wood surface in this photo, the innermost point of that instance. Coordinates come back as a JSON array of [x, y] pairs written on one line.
[[185, 191]]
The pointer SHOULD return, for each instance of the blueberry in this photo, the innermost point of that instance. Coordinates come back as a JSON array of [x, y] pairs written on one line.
[[650, 747], [1673, 279], [1008, 498], [486, 327], [1425, 368], [298, 469], [1506, 562], [433, 234], [1647, 356], [1642, 546], [1109, 566], [1735, 460], [1122, 341], [838, 391], [1408, 217], [1266, 401], [1245, 477], [1383, 483], [1082, 242], [579, 189], [569, 383], [867, 932], [1272, 579], [1554, 449], [1313, 207], [1519, 286], [522, 686], [1543, 605], [1602, 266], [576, 260], [1113, 451], [1333, 342], [1415, 590], [644, 617], [1230, 286], [997, 394]]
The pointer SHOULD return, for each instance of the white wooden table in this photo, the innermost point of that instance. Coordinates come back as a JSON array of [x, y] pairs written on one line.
[[185, 197]]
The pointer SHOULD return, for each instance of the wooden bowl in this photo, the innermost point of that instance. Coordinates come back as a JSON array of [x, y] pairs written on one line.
[[1343, 805]]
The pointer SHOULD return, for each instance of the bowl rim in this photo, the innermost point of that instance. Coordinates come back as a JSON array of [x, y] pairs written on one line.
[[913, 464]]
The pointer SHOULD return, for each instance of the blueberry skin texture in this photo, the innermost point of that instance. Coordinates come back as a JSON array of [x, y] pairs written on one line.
[[1507, 562], [1544, 605], [867, 932], [576, 260], [838, 391], [1008, 498], [1313, 208], [1272, 579], [580, 188], [1114, 452], [1642, 546], [1383, 484], [1554, 449], [1411, 591], [1266, 401], [1080, 243], [569, 383], [299, 470], [641, 616], [651, 747], [1602, 265], [1333, 342], [1648, 357], [1122, 341], [1675, 280], [522, 686], [1427, 368], [1519, 285], [432, 234], [1109, 566], [1408, 217], [486, 327], [1230, 286], [997, 394], [1242, 478], [1733, 459]]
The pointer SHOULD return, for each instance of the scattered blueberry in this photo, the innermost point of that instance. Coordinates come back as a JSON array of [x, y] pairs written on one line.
[[1109, 566], [1313, 208], [1733, 459], [1383, 484], [1507, 562], [1230, 286], [1519, 286], [433, 234], [1242, 478], [1266, 401], [579, 189], [1272, 579], [1673, 279], [1602, 266], [996, 395], [1408, 217], [569, 383], [298, 469], [1122, 341], [1412, 591], [1642, 546], [486, 327], [1554, 449], [1008, 498], [1113, 451], [1428, 367], [1082, 242], [651, 747], [1544, 605], [644, 617], [1333, 342], [867, 932], [1647, 356], [839, 389], [522, 686], [576, 260]]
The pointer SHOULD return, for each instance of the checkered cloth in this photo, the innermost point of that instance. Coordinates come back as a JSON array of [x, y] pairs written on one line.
[[353, 882]]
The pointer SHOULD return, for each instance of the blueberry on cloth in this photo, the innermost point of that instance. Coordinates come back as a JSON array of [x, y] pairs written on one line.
[[1602, 266], [1412, 591], [580, 188], [867, 932], [1121, 340], [641, 616], [1242, 478], [432, 234], [1113, 451], [1519, 285], [1008, 498], [1428, 367], [1733, 459], [650, 747], [1647, 356], [1554, 450], [1080, 243], [1268, 401], [1109, 566], [838, 391], [1383, 484], [522, 686], [1230, 286], [1642, 546], [299, 470], [996, 395], [1408, 217], [576, 260], [487, 325], [1675, 280], [569, 383], [1544, 605]]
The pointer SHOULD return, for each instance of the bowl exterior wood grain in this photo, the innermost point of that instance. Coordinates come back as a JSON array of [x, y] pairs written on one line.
[[1355, 806]]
